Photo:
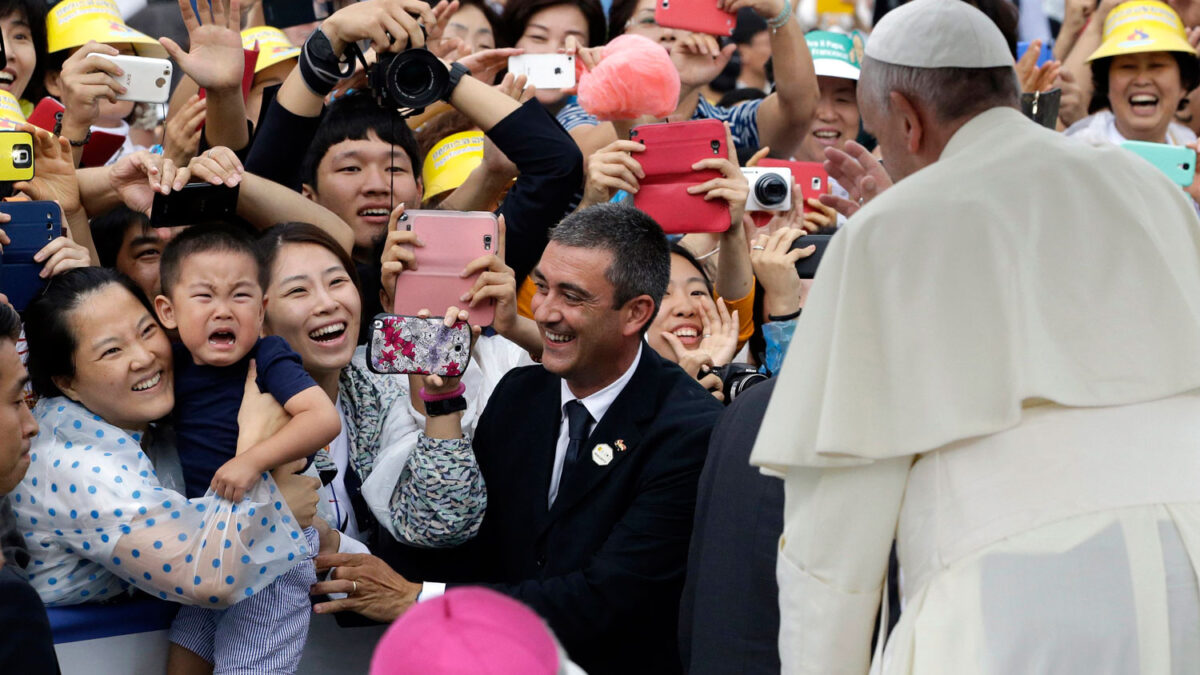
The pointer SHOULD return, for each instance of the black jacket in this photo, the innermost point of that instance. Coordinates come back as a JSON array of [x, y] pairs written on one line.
[[605, 565], [26, 645]]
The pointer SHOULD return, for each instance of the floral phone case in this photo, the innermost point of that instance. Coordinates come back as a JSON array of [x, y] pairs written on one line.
[[416, 346]]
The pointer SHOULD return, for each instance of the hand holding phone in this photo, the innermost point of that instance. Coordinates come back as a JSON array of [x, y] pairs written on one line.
[[31, 226], [671, 151], [807, 267], [451, 239], [196, 203], [544, 71], [418, 346], [1178, 162], [16, 156], [145, 79], [698, 16]]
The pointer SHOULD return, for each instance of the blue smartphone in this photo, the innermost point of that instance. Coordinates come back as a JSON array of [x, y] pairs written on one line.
[[31, 227], [1046, 55], [1178, 162]]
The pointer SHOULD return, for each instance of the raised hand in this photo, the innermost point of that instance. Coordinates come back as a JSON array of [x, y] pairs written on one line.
[[216, 59], [610, 169], [55, 178], [183, 131], [856, 170]]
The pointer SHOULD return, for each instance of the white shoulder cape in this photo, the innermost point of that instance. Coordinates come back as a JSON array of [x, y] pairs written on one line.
[[1022, 266]]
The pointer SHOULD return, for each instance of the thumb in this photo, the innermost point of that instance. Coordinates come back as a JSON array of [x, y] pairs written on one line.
[[501, 244], [173, 48], [394, 218], [292, 467]]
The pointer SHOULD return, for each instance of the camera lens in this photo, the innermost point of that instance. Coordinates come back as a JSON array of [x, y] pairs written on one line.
[[770, 189], [416, 79]]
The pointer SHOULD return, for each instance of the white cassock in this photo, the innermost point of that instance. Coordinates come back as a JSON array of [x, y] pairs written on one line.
[[999, 366]]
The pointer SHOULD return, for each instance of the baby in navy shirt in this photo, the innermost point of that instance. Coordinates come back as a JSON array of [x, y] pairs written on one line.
[[212, 292]]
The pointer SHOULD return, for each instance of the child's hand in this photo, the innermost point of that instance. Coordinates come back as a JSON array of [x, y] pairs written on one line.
[[237, 475]]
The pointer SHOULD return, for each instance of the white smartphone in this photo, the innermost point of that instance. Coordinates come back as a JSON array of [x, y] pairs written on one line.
[[545, 71], [146, 80]]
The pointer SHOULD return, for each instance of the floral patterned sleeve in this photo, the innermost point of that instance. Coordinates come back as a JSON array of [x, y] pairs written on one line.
[[97, 520], [440, 499]]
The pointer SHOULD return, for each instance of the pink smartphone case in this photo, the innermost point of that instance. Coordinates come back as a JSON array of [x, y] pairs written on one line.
[[671, 150], [412, 345], [699, 16], [810, 176], [452, 239]]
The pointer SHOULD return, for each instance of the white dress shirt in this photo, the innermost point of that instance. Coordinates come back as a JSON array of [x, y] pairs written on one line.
[[597, 405]]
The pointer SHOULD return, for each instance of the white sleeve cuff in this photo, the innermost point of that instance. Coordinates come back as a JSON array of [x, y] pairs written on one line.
[[431, 590], [348, 544]]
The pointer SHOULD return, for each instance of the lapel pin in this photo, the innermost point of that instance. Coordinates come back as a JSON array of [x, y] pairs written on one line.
[[620, 445], [602, 454]]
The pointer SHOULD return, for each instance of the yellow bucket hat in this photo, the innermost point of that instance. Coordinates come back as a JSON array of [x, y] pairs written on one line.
[[450, 162], [273, 46], [1143, 26], [73, 22], [10, 111]]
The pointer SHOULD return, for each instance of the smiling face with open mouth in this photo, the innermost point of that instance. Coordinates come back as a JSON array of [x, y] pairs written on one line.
[[835, 120], [313, 304], [679, 312], [1144, 91], [217, 306], [123, 369], [22, 56]]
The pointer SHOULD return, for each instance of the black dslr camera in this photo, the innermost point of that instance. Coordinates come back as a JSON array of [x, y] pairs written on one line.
[[737, 378], [408, 81]]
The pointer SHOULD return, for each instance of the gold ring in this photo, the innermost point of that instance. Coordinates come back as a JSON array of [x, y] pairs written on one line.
[[353, 587]]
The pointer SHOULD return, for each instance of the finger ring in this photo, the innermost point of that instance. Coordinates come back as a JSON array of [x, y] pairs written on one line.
[[353, 587], [758, 248], [708, 335]]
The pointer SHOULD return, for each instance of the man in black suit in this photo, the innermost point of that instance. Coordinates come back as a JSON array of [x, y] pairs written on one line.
[[26, 645], [591, 462], [729, 618]]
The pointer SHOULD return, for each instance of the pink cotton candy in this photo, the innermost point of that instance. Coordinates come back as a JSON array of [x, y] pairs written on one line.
[[635, 77]]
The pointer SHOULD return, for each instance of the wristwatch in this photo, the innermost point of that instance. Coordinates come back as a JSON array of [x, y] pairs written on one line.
[[457, 71], [445, 406]]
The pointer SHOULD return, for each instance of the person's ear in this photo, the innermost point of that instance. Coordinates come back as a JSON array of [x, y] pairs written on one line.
[[53, 82], [166, 312], [638, 312], [66, 385], [910, 118], [308, 192], [420, 191]]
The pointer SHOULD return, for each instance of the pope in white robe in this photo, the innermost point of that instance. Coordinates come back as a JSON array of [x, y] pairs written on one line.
[[998, 366]]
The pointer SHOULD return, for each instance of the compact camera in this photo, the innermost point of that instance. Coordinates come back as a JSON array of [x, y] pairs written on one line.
[[770, 188]]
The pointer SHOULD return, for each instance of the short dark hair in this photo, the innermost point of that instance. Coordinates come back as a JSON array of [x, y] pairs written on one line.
[[34, 14], [10, 323], [641, 261], [272, 240], [518, 12], [353, 118], [619, 14], [108, 231], [205, 239], [1189, 77], [677, 249], [52, 342]]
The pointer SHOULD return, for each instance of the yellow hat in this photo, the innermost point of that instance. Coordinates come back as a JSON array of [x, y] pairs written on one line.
[[10, 111], [73, 22], [450, 162], [273, 46], [1143, 26]]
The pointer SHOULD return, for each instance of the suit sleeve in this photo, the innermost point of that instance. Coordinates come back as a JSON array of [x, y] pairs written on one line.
[[551, 172], [28, 646], [647, 547]]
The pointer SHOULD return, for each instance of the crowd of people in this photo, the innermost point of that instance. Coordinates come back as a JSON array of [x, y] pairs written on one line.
[[965, 443]]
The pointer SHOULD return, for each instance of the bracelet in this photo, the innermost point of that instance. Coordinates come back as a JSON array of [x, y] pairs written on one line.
[[784, 317], [428, 398], [784, 16], [58, 132]]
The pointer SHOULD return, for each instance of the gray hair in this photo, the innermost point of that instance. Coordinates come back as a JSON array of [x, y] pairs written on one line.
[[641, 262], [952, 93]]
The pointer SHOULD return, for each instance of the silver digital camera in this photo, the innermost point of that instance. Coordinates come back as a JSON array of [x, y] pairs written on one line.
[[770, 188]]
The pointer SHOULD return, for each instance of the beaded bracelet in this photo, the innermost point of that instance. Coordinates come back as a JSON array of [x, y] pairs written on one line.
[[784, 16]]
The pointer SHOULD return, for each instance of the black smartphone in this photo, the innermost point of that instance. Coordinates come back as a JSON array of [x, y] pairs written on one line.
[[287, 13], [32, 226], [195, 204], [807, 267]]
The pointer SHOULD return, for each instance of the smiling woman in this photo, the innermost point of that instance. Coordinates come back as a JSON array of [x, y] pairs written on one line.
[[93, 508]]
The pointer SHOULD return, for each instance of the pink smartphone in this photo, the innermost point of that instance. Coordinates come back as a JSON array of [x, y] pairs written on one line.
[[671, 150], [101, 146], [452, 239], [416, 346], [698, 16]]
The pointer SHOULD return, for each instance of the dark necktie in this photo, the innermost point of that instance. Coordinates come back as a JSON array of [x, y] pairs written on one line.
[[578, 420]]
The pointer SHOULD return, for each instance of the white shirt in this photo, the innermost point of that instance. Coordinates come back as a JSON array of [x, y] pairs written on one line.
[[597, 405], [335, 494]]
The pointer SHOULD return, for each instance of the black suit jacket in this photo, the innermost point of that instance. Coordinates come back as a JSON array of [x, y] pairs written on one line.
[[605, 565], [26, 645], [729, 618]]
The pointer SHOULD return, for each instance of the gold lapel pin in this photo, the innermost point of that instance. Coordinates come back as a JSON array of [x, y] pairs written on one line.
[[620, 445]]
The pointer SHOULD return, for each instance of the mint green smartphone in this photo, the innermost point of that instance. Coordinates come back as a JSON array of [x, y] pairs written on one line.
[[1178, 162]]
